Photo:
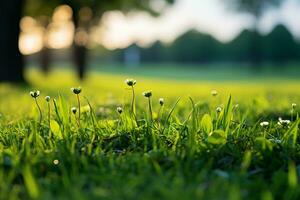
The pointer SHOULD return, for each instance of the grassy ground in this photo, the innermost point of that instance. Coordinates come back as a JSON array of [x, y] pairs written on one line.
[[185, 149]]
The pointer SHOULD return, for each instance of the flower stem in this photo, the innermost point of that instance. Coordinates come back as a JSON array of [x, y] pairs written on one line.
[[49, 114], [78, 101], [40, 111], [133, 101], [159, 116], [150, 109]]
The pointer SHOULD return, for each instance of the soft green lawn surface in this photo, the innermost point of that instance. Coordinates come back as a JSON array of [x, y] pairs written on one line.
[[184, 149]]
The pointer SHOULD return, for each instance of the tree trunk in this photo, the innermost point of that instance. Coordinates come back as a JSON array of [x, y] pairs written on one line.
[[45, 59], [11, 60], [80, 60], [45, 54], [79, 51]]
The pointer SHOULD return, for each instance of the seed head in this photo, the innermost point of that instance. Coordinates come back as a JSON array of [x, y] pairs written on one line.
[[130, 82], [74, 110], [47, 98], [147, 93], [161, 101], [294, 105], [119, 110], [264, 124], [219, 109], [214, 93], [35, 94], [76, 90]]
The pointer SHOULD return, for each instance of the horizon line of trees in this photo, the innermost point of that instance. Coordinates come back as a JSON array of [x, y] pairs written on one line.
[[193, 47], [278, 46]]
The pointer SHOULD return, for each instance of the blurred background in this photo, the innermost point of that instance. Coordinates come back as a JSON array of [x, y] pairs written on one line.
[[179, 39]]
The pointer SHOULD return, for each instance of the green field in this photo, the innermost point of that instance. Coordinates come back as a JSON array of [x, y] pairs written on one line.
[[194, 146]]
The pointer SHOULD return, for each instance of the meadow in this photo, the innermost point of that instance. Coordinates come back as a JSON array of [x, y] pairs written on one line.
[[156, 138]]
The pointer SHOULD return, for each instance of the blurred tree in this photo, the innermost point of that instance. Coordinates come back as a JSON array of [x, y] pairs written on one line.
[[42, 11], [84, 14], [195, 47], [11, 60], [83, 11], [279, 46], [256, 8]]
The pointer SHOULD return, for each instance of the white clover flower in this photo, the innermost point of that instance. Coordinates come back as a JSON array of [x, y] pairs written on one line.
[[264, 124], [214, 93]]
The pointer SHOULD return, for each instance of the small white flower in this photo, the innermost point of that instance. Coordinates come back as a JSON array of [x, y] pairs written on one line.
[[56, 162], [147, 94], [35, 94], [264, 124], [76, 90], [161, 101], [47, 98], [282, 122], [218, 109], [294, 105], [130, 82], [74, 110], [119, 110], [214, 93]]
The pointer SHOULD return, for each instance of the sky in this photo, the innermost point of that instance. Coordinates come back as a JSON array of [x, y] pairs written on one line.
[[117, 30], [208, 16]]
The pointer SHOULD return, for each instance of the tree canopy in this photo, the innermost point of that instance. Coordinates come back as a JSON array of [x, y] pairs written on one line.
[[46, 7], [254, 7]]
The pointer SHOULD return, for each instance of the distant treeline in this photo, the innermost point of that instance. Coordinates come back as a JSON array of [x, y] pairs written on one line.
[[195, 47]]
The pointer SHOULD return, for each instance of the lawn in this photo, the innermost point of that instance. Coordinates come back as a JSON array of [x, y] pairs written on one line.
[[207, 138]]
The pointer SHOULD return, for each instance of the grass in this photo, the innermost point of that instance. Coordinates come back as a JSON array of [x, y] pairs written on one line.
[[184, 148]]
